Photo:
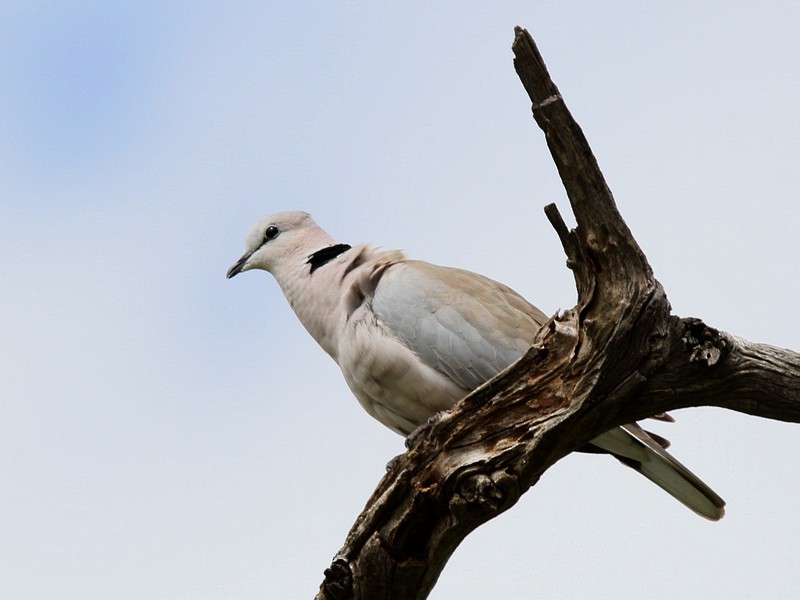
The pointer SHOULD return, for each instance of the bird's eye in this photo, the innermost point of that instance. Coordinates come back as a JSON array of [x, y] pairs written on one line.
[[271, 233]]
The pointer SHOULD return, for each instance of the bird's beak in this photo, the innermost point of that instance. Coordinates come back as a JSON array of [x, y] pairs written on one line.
[[239, 266]]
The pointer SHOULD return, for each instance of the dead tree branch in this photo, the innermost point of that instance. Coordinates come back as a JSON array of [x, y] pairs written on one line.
[[617, 357]]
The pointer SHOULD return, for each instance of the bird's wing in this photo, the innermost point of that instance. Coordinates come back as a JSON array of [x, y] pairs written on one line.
[[466, 326]]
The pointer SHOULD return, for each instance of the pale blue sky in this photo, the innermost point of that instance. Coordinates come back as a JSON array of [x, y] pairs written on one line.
[[166, 433]]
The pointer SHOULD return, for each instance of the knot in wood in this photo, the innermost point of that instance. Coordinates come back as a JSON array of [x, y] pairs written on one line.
[[705, 344], [485, 493], [338, 582]]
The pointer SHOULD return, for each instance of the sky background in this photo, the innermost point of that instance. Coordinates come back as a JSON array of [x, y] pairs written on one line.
[[168, 434]]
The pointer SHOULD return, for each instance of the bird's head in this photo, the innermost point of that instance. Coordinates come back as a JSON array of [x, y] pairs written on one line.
[[278, 240]]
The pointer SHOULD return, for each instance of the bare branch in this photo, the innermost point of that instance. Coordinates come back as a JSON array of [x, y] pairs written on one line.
[[617, 357]]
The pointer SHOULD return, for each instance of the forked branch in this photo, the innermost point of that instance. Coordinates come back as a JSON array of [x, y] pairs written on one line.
[[618, 356]]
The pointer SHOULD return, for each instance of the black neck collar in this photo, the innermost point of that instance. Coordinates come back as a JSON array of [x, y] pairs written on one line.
[[326, 255]]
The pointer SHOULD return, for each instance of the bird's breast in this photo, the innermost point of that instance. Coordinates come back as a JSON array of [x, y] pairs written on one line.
[[388, 379]]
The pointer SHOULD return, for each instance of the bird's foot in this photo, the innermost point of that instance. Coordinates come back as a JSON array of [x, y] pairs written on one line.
[[422, 431]]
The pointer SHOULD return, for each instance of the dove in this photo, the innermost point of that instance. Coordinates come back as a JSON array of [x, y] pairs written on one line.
[[413, 338]]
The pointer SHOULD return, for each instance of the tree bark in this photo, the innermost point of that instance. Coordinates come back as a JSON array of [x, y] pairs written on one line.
[[618, 356]]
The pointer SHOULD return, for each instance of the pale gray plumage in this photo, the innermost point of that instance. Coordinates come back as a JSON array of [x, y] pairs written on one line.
[[412, 338]]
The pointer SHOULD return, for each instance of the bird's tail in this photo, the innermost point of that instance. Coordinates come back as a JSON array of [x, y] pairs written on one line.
[[633, 447]]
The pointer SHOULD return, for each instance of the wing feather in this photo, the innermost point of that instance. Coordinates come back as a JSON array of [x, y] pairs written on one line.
[[465, 325]]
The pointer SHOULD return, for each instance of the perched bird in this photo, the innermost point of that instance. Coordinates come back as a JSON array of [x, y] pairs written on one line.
[[412, 338]]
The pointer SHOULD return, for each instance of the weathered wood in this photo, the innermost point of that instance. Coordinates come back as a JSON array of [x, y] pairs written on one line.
[[618, 356]]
